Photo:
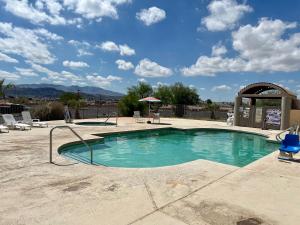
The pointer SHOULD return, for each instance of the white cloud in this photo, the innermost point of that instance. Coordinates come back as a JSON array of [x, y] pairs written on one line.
[[123, 65], [46, 11], [26, 43], [83, 52], [143, 80], [102, 81], [6, 58], [242, 86], [8, 75], [41, 69], [48, 35], [224, 14], [70, 76], [218, 50], [209, 66], [57, 77], [159, 84], [264, 48], [126, 50], [148, 68], [110, 46], [26, 72], [36, 15], [95, 9], [74, 42], [75, 65], [151, 16], [53, 6], [259, 48], [222, 88], [83, 47]]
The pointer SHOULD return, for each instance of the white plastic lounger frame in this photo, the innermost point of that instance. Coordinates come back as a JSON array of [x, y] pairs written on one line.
[[156, 116], [137, 117], [67, 115], [32, 122], [4, 128], [10, 121]]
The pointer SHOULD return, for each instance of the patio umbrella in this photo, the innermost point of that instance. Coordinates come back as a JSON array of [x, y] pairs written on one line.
[[149, 100]]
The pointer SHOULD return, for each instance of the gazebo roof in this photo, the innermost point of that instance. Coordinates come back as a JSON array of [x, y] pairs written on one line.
[[265, 90]]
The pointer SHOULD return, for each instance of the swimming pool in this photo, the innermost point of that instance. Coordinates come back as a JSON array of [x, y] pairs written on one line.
[[166, 147], [95, 123]]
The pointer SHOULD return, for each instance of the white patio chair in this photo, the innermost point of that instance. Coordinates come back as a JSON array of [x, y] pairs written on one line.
[[156, 116], [137, 117], [27, 119], [230, 119], [3, 128], [9, 120]]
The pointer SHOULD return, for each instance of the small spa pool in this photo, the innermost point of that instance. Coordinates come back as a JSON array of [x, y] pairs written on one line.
[[166, 147], [95, 124]]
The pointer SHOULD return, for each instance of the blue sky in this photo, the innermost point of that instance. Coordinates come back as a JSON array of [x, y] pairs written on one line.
[[215, 46]]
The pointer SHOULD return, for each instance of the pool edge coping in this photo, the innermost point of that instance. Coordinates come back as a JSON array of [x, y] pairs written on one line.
[[101, 138]]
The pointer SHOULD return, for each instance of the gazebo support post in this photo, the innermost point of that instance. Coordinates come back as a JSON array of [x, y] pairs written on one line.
[[286, 105], [237, 105], [252, 112]]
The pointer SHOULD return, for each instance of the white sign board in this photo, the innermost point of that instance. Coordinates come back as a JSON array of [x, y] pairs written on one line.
[[273, 116]]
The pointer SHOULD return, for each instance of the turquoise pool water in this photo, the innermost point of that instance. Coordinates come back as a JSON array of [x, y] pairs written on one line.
[[171, 146]]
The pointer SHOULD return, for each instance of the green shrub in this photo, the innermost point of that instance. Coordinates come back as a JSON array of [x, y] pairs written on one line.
[[56, 111], [41, 112], [130, 102], [49, 111]]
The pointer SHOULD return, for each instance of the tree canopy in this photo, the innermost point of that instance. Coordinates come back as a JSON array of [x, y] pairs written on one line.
[[184, 95], [130, 102], [177, 95], [73, 100], [69, 96], [4, 88]]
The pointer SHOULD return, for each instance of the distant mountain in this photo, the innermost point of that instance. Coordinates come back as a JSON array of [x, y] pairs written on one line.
[[34, 92], [52, 91], [87, 89]]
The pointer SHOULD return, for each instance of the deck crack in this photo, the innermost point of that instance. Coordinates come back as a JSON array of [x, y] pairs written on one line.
[[158, 209], [150, 195]]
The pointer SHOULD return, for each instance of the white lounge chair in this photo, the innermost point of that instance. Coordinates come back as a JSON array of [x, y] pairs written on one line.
[[156, 116], [230, 119], [32, 122], [67, 115], [9, 120], [137, 117], [3, 128]]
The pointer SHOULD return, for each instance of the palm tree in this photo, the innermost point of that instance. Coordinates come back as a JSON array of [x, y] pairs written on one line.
[[4, 88]]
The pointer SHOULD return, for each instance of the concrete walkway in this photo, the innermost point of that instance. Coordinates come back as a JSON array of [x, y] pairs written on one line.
[[199, 192]]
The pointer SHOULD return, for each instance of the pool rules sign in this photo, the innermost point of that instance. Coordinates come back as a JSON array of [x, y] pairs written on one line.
[[273, 116]]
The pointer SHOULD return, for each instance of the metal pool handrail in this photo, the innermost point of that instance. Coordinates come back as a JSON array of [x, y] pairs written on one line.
[[110, 116], [292, 130], [76, 134]]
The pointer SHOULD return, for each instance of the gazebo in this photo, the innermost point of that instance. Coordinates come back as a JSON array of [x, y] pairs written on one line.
[[266, 116]]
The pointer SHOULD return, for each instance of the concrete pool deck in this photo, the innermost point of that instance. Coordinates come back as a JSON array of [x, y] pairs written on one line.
[[201, 192]]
